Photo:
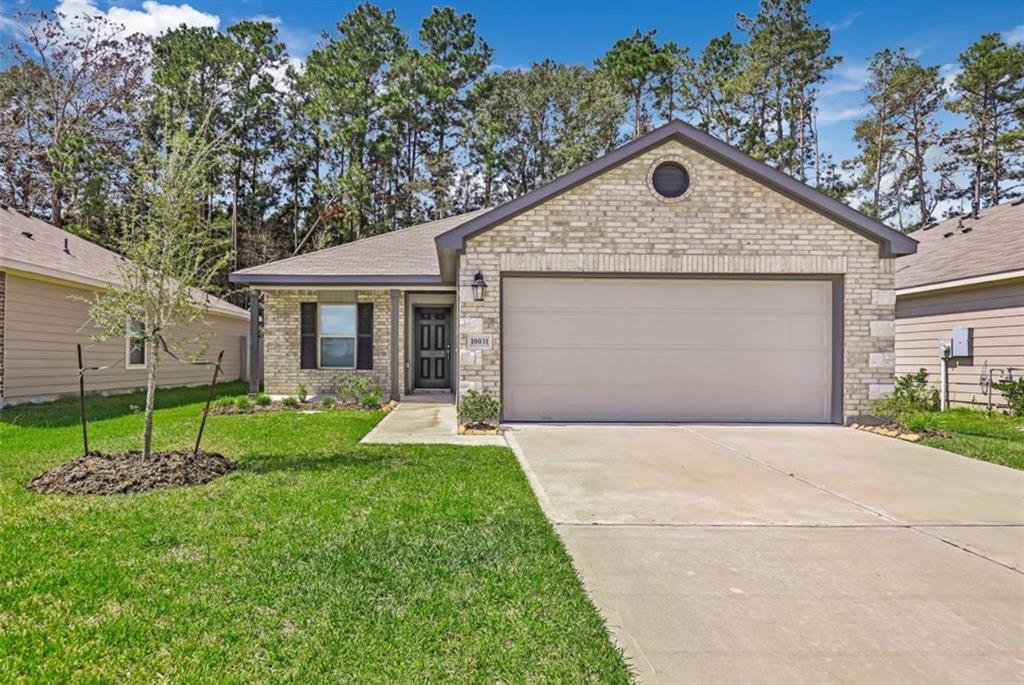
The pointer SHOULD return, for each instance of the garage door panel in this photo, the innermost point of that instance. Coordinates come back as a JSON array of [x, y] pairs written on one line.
[[603, 349]]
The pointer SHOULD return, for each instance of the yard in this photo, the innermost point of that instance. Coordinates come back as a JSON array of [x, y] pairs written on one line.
[[317, 560], [990, 437]]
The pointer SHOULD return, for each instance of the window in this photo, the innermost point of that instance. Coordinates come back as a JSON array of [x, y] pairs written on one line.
[[670, 180], [135, 345], [338, 336]]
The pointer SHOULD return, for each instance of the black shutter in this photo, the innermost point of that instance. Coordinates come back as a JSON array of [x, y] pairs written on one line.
[[364, 332], [307, 327]]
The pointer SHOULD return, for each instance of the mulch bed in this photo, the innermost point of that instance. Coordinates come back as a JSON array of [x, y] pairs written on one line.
[[232, 410], [894, 430], [124, 472]]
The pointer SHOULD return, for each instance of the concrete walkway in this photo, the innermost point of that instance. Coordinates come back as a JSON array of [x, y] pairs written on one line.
[[429, 419], [798, 554]]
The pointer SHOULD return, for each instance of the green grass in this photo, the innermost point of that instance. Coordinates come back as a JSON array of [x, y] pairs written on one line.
[[319, 560], [991, 437]]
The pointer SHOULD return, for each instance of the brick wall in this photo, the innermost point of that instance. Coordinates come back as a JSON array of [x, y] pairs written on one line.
[[282, 374], [725, 223]]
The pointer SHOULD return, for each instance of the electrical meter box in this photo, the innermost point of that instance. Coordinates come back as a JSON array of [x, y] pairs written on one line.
[[962, 342]]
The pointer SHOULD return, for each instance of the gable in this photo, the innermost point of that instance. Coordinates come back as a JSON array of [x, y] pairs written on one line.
[[701, 145]]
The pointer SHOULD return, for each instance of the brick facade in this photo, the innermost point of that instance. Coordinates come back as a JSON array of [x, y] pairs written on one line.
[[726, 223], [282, 374]]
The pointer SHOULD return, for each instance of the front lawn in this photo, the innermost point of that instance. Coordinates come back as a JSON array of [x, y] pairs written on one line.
[[991, 437], [319, 560]]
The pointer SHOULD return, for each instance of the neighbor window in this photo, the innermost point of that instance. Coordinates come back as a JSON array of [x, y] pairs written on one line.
[[338, 336], [135, 345]]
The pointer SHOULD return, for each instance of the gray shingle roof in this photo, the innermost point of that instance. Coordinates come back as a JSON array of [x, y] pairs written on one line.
[[84, 262], [406, 255], [993, 244]]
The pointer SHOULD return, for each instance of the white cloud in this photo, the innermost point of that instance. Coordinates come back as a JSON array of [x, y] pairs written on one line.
[[1014, 35], [280, 75], [948, 72], [153, 19], [828, 115], [844, 23], [846, 78]]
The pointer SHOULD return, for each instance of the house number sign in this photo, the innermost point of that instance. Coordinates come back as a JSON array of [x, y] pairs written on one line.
[[479, 342]]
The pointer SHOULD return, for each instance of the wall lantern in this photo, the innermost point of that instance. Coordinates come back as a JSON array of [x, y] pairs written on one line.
[[479, 287]]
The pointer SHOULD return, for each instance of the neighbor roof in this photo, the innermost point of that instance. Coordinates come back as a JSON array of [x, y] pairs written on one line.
[[965, 247], [34, 246], [406, 256], [891, 243]]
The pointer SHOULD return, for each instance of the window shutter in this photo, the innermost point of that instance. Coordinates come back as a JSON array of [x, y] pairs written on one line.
[[307, 328], [364, 332]]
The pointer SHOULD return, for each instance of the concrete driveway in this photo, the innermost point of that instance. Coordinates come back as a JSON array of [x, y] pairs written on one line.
[[796, 554]]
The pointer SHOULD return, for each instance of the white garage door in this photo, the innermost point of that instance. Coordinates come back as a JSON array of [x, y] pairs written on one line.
[[614, 349]]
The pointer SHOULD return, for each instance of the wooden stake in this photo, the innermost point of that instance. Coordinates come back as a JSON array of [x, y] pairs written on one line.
[[209, 398], [81, 401]]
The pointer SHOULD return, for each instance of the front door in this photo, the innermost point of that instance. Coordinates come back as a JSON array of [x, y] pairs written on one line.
[[433, 347]]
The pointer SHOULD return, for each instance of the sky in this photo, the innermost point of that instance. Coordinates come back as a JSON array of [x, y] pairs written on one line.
[[526, 31]]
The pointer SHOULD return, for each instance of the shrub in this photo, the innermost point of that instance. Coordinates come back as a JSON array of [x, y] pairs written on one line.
[[223, 402], [910, 394], [303, 392], [479, 409], [362, 390], [262, 400], [290, 402], [1013, 391], [243, 403], [327, 402]]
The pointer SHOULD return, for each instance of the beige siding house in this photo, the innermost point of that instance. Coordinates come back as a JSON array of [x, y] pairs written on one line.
[[47, 277], [673, 279], [968, 273]]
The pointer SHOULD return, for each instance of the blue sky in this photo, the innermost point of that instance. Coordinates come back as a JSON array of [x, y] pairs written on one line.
[[525, 31]]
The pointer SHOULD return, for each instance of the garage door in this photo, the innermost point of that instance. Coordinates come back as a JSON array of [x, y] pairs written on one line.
[[614, 349]]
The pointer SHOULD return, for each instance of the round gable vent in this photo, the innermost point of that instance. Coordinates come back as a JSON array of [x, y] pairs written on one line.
[[670, 180]]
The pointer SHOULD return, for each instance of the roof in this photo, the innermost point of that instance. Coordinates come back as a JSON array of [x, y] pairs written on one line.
[[965, 247], [425, 254], [406, 256], [891, 242], [82, 261]]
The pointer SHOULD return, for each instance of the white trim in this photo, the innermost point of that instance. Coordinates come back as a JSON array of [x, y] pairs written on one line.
[[354, 336], [385, 288], [961, 282], [128, 348]]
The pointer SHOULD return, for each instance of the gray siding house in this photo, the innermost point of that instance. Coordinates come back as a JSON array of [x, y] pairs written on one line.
[[673, 279], [967, 273]]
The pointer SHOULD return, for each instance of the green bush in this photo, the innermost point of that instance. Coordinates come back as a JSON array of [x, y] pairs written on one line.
[[262, 400], [1013, 391], [242, 403], [910, 394], [327, 402], [222, 402], [303, 392], [290, 402], [362, 390], [479, 409]]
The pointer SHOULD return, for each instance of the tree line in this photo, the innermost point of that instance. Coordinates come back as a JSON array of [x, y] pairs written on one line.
[[376, 130]]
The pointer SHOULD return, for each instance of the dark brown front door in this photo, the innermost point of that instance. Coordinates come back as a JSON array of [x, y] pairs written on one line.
[[433, 347]]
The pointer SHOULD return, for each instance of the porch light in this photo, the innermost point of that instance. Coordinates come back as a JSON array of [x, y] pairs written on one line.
[[479, 287]]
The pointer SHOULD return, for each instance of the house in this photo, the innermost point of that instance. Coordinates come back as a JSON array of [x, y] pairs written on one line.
[[674, 278], [968, 273], [46, 277]]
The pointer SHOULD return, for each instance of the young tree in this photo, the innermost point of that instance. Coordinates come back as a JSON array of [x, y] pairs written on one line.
[[69, 116], [170, 257], [989, 93]]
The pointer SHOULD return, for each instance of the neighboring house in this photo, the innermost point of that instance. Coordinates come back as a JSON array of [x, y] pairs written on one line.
[[46, 276], [968, 272], [675, 278]]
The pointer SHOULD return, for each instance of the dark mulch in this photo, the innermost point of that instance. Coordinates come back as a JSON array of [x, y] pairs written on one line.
[[113, 474]]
